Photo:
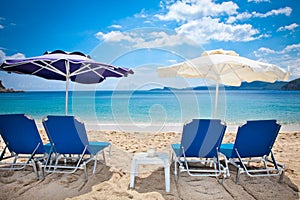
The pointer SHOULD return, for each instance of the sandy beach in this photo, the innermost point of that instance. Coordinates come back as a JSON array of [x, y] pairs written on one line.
[[111, 180]]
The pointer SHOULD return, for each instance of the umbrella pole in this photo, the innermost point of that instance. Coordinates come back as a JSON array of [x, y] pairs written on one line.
[[67, 95], [216, 100], [67, 85]]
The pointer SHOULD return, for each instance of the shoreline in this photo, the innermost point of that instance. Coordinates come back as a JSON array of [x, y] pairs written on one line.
[[168, 127]]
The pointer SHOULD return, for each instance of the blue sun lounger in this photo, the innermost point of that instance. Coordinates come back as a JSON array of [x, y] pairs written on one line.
[[23, 144], [253, 144], [200, 144], [70, 148]]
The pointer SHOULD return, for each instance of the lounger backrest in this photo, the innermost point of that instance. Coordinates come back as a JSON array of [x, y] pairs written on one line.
[[256, 138], [66, 133], [20, 134], [202, 137]]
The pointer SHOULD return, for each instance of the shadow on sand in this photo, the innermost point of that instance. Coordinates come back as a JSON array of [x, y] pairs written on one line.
[[187, 187], [54, 186]]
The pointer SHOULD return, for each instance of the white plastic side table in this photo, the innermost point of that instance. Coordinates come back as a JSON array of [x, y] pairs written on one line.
[[143, 158]]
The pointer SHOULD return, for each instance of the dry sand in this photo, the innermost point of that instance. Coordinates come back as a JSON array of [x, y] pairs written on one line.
[[111, 180]]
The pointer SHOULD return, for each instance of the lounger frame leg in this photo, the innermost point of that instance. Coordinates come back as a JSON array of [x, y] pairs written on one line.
[[21, 165], [242, 168], [95, 162]]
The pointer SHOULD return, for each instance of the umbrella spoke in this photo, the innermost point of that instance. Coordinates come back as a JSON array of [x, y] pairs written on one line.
[[48, 67], [111, 69], [85, 69]]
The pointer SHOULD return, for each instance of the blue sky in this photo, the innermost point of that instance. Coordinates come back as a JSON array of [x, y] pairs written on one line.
[[146, 34]]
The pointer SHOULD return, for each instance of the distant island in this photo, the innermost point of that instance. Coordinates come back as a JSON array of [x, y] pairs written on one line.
[[10, 90], [292, 85], [256, 85]]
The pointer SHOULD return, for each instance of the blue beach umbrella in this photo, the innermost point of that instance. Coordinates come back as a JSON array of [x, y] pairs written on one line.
[[59, 65]]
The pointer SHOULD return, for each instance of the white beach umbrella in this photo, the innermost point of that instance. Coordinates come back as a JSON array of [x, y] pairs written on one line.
[[225, 67]]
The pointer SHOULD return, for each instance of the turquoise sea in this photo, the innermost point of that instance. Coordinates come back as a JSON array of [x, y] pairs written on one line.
[[157, 107]]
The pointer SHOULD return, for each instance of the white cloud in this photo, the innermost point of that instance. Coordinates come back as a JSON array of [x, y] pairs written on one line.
[[1, 26], [182, 11], [206, 29], [16, 56], [290, 27], [116, 36], [3, 56], [194, 9], [202, 20], [263, 50], [287, 57], [151, 39], [246, 15], [240, 16], [116, 26], [281, 11], [294, 67], [287, 49], [99, 35], [293, 47], [193, 32], [162, 39]]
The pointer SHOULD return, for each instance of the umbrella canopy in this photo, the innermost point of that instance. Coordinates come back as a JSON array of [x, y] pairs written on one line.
[[225, 67], [59, 65]]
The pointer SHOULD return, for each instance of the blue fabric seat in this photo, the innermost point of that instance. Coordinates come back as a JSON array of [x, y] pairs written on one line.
[[23, 141], [69, 142], [200, 142], [253, 144]]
